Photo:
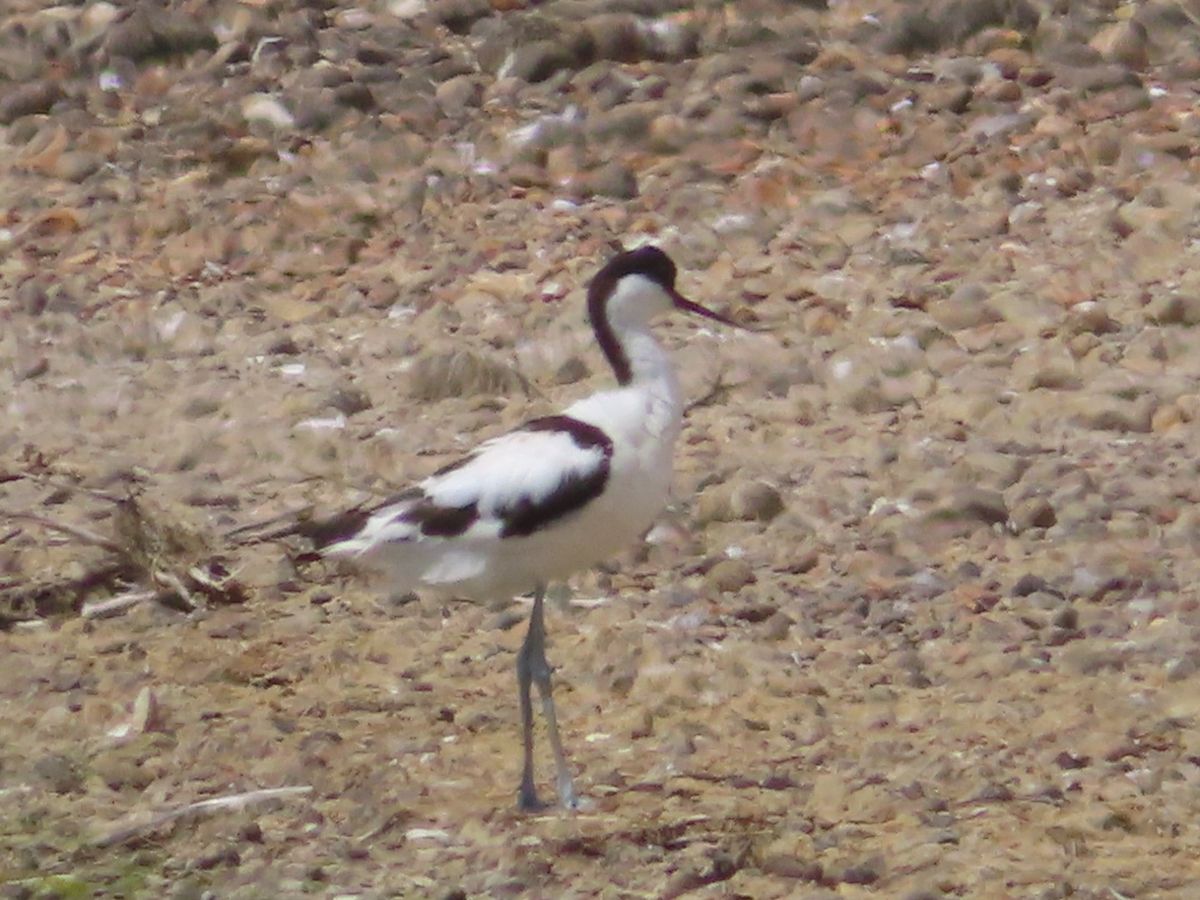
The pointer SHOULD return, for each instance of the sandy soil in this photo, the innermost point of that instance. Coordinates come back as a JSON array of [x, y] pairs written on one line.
[[923, 620]]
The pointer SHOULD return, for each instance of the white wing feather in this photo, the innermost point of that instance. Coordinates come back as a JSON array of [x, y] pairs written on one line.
[[514, 469], [520, 465]]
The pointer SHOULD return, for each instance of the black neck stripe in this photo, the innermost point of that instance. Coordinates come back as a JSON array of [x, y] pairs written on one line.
[[599, 291]]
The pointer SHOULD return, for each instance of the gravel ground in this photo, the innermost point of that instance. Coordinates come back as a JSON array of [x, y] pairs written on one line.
[[923, 619]]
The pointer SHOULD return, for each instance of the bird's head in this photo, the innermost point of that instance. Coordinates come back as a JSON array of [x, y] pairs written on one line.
[[635, 287]]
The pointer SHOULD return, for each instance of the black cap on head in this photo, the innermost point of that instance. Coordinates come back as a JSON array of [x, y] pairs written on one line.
[[648, 261]]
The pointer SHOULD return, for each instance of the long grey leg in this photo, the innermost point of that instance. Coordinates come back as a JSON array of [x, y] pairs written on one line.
[[527, 798], [532, 666]]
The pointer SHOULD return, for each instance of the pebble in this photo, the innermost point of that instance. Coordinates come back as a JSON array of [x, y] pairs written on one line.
[[459, 15], [613, 179], [59, 773], [538, 61], [572, 370], [966, 307], [1175, 309], [1126, 43], [1033, 512], [973, 503], [355, 96], [755, 501], [730, 575], [28, 99], [459, 94], [147, 32], [1114, 414], [868, 871], [77, 165], [1089, 657], [350, 400]]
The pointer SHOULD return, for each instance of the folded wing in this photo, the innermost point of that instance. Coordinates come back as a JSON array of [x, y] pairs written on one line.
[[510, 487]]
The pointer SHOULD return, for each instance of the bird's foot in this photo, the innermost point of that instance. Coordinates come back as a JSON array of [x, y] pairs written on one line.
[[567, 797], [528, 800]]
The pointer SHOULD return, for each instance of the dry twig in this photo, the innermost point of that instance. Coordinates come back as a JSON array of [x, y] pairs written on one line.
[[214, 804], [75, 531], [113, 606]]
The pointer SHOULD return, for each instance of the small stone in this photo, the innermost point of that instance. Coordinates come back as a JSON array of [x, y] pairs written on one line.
[[1049, 366], [668, 134], [1033, 512], [778, 627], [975, 503], [1103, 148], [1116, 414], [227, 856], [314, 110], [538, 61], [730, 575], [1068, 760], [910, 33], [149, 32], [1005, 92], [1029, 584], [967, 307], [627, 122], [571, 371], [1181, 668], [1088, 657], [458, 94], [1066, 617], [355, 96], [32, 297], [1099, 78], [1091, 318], [756, 501], [350, 400], [28, 99], [756, 612], [1175, 309], [993, 792], [459, 15], [77, 165], [611, 180], [1125, 43], [60, 774], [617, 37], [118, 771], [783, 865], [714, 504], [868, 871]]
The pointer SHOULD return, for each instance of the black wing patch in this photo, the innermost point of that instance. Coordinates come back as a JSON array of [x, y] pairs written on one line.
[[575, 491], [439, 521], [345, 525]]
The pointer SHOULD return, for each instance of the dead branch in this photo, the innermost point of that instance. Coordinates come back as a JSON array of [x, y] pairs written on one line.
[[113, 606], [75, 531], [231, 802], [153, 549], [57, 484]]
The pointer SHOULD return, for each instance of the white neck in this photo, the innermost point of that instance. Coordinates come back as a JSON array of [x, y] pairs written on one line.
[[645, 411], [653, 370]]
